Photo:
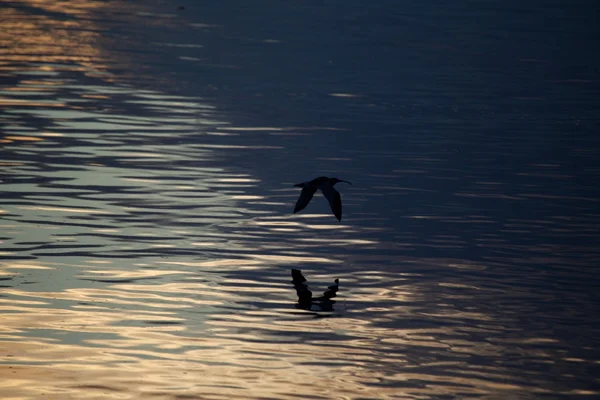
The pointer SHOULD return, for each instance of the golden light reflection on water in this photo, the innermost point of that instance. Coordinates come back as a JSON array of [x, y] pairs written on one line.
[[132, 339], [51, 40], [227, 362]]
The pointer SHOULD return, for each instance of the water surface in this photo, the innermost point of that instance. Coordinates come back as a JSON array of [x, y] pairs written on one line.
[[149, 153]]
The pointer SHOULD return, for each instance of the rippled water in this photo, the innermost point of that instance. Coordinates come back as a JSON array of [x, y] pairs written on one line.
[[149, 153]]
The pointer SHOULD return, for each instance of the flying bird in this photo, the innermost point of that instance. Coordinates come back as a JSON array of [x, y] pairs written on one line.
[[324, 184]]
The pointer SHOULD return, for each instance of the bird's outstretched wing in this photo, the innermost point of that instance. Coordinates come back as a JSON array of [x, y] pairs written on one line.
[[335, 201], [305, 197], [297, 276], [332, 290]]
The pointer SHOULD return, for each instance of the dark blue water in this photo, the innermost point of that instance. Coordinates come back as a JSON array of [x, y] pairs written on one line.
[[149, 155]]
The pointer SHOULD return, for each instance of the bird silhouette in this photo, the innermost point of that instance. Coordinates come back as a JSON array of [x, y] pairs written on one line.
[[325, 185]]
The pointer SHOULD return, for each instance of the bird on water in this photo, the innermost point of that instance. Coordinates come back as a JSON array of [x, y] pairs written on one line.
[[325, 185]]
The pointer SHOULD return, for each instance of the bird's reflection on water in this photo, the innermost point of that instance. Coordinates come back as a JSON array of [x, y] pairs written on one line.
[[306, 301]]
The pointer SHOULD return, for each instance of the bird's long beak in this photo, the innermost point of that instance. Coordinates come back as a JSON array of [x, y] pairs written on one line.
[[346, 181]]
